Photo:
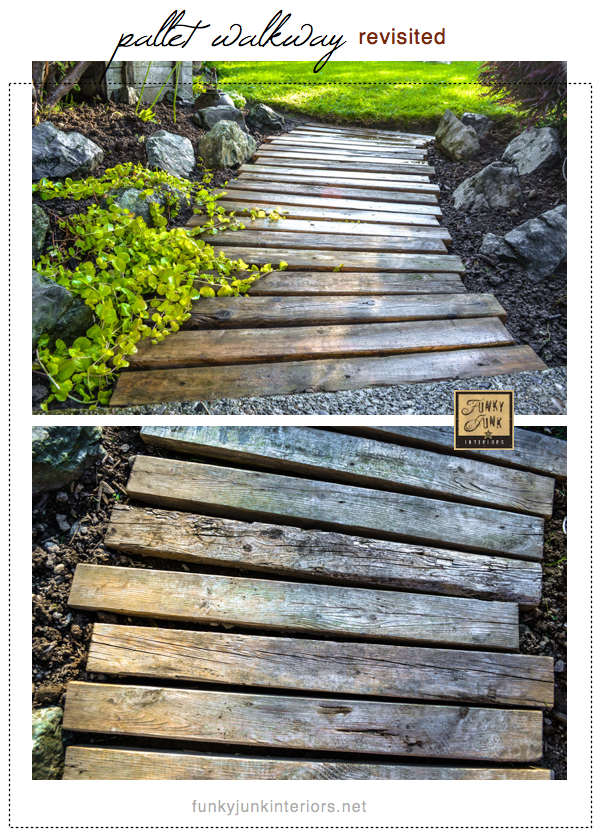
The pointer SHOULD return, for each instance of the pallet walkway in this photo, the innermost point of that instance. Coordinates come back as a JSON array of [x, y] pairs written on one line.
[[370, 297], [391, 632]]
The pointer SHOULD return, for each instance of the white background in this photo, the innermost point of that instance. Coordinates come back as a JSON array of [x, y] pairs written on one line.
[[474, 31]]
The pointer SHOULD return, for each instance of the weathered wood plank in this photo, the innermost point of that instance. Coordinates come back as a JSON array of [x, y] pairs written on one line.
[[284, 198], [97, 763], [392, 163], [158, 386], [403, 154], [349, 559], [257, 496], [338, 228], [306, 723], [362, 461], [432, 674], [274, 171], [302, 283], [292, 606], [393, 136], [327, 143], [329, 213], [333, 184], [532, 451], [323, 241], [286, 311], [409, 195], [289, 158], [256, 345]]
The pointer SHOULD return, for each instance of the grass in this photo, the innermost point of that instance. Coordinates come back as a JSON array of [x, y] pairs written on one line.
[[403, 94]]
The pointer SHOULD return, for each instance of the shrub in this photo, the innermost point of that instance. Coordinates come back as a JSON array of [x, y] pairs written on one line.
[[537, 89]]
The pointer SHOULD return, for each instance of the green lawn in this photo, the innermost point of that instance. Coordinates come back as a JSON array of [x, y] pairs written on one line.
[[394, 93]]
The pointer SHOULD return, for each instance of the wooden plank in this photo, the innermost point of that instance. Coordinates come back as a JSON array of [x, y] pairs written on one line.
[[291, 606], [342, 175], [398, 729], [335, 228], [314, 150], [274, 498], [433, 674], [283, 199], [362, 461], [347, 559], [158, 386], [326, 143], [323, 241], [348, 260], [389, 136], [335, 184], [97, 763], [322, 161], [301, 283], [286, 311], [327, 212], [532, 451], [400, 194], [256, 345]]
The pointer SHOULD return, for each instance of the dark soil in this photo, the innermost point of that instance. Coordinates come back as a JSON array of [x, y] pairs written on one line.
[[61, 635], [536, 313]]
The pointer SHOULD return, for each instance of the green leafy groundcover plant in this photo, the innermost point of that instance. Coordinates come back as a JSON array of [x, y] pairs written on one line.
[[138, 280]]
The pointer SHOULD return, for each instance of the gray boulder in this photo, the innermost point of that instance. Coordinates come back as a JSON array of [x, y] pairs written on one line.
[[39, 228], [541, 244], [262, 117], [170, 153], [456, 140], [494, 245], [213, 99], [61, 454], [56, 311], [480, 123], [497, 185], [225, 145], [138, 203], [46, 743], [208, 117], [182, 98], [56, 154], [533, 150], [125, 96]]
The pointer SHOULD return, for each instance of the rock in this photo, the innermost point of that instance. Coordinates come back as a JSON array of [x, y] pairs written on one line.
[[56, 154], [39, 393], [225, 145], [138, 203], [46, 743], [213, 99], [39, 228], [455, 140], [125, 96], [62, 454], [559, 666], [183, 98], [541, 244], [494, 245], [170, 153], [497, 185], [56, 311], [262, 117], [533, 150], [480, 123], [208, 117]]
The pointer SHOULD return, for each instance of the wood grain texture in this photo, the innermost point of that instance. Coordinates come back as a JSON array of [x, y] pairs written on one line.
[[430, 674], [289, 158], [337, 186], [346, 260], [532, 451], [325, 212], [323, 142], [401, 152], [307, 723], [382, 177], [362, 461], [389, 136], [284, 198], [347, 559], [284, 183], [96, 763], [282, 499], [285, 311], [248, 346], [158, 386], [296, 240], [297, 607]]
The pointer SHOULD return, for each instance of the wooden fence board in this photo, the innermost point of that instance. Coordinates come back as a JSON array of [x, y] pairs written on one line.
[[307, 723], [127, 763], [158, 386], [362, 461], [274, 498], [313, 554], [295, 240], [431, 674], [298, 607]]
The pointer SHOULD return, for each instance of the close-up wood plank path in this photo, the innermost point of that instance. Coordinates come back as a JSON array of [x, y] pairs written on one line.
[[351, 596], [370, 296]]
